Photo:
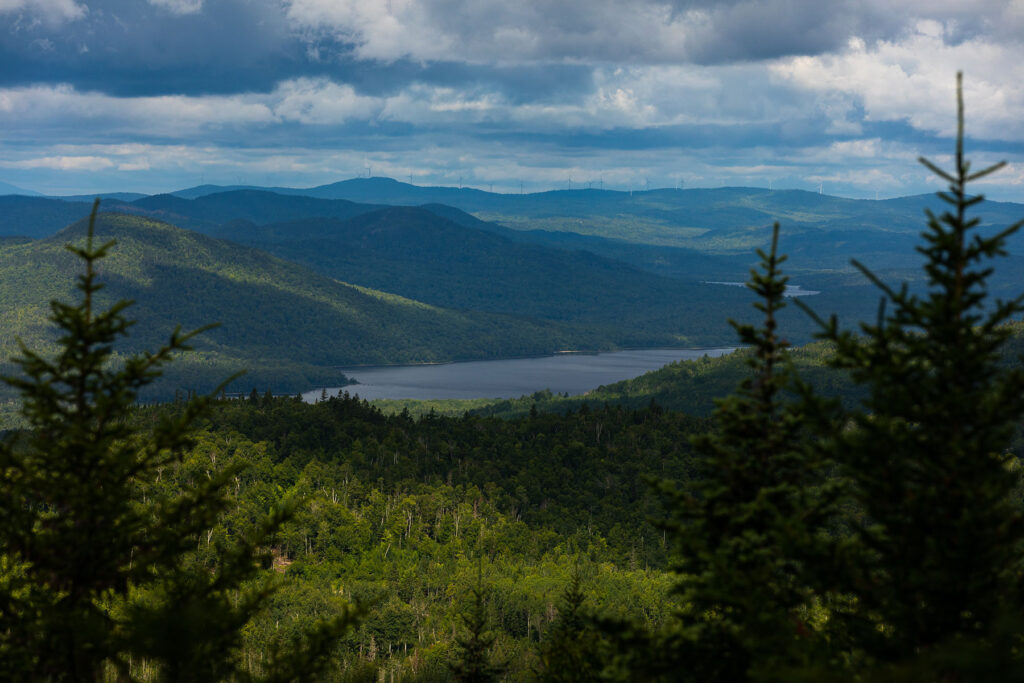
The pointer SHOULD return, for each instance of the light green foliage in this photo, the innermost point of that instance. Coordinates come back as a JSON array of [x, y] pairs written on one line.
[[402, 513]]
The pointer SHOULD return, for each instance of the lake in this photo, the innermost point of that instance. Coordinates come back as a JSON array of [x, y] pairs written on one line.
[[574, 373]]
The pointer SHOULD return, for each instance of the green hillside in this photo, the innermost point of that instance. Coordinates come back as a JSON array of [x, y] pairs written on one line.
[[286, 324], [414, 253]]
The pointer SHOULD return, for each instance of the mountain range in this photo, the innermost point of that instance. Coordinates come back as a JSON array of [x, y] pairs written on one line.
[[308, 280]]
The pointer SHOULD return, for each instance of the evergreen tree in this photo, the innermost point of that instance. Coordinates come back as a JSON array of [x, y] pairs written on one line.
[[473, 662], [91, 577], [570, 652], [935, 558], [754, 511]]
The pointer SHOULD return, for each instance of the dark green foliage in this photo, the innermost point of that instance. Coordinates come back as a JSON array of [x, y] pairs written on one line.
[[935, 558], [73, 535], [754, 510], [96, 568]]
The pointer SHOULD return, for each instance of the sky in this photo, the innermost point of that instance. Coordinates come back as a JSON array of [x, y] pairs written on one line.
[[845, 95]]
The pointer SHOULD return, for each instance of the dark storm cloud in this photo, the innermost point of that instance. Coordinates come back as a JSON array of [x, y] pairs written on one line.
[[131, 48], [128, 47], [755, 30]]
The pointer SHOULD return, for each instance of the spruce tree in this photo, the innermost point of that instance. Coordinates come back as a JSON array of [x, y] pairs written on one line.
[[753, 513], [91, 577], [473, 662], [935, 559], [570, 650]]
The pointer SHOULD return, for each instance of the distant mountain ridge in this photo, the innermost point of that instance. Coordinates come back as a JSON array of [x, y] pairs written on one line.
[[723, 221], [7, 188]]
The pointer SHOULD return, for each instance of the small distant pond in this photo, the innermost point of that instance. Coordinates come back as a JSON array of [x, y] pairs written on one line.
[[791, 290], [574, 373]]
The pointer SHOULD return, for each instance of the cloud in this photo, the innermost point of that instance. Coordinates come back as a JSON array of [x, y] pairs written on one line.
[[302, 92], [912, 80], [179, 6], [321, 102], [62, 163], [52, 11], [131, 47], [635, 32]]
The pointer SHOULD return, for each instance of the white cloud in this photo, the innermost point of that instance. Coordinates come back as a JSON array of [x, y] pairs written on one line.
[[62, 163], [179, 6], [912, 80], [318, 101], [52, 11], [41, 107]]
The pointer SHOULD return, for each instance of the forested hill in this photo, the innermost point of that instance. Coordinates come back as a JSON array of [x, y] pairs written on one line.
[[285, 323], [415, 253]]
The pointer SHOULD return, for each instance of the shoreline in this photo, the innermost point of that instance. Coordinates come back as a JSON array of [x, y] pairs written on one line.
[[553, 354]]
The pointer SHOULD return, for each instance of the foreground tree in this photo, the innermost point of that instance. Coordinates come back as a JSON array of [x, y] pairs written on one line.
[[754, 512], [92, 578], [935, 559]]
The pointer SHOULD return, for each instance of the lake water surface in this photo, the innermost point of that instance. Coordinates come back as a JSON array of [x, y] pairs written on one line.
[[574, 373]]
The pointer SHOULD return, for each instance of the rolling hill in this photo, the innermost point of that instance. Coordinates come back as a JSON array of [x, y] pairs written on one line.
[[291, 327], [413, 252]]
